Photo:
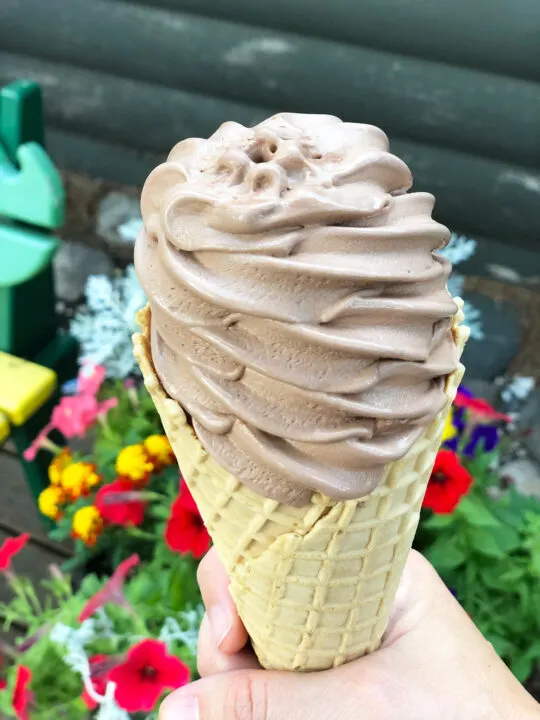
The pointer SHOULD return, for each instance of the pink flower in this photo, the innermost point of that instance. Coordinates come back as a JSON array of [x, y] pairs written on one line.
[[90, 379], [39, 442], [10, 548], [112, 591], [73, 416]]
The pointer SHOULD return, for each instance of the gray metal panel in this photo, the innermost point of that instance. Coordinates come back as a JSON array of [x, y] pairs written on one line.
[[100, 159], [128, 112], [501, 36], [463, 109]]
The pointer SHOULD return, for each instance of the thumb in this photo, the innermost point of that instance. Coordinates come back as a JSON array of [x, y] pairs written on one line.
[[269, 695]]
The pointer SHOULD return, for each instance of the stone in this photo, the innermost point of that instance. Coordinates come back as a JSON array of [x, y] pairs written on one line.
[[532, 442], [118, 223], [73, 264], [525, 475], [489, 358]]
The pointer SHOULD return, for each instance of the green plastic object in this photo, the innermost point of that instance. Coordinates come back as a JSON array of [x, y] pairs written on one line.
[[31, 189], [24, 253], [21, 116], [32, 202]]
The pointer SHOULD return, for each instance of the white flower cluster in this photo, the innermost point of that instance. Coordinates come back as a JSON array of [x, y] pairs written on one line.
[[518, 389], [184, 630], [459, 249], [105, 328], [74, 642]]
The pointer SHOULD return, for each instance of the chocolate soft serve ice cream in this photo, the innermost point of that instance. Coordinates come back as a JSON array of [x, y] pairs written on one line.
[[299, 309]]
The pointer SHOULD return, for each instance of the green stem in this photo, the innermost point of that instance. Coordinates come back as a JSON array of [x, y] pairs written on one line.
[[138, 622], [34, 600], [26, 594], [142, 534], [47, 444]]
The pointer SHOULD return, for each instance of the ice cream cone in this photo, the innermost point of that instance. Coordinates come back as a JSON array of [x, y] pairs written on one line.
[[314, 584]]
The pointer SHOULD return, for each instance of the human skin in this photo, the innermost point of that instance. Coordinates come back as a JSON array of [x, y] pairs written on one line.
[[433, 663]]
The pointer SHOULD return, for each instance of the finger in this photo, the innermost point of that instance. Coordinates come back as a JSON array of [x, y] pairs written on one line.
[[269, 695], [421, 596], [211, 660], [229, 633]]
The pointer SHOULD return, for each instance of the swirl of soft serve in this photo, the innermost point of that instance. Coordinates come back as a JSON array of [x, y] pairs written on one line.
[[299, 309]]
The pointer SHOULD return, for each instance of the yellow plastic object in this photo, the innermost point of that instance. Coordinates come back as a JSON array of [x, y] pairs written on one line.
[[4, 428], [24, 387]]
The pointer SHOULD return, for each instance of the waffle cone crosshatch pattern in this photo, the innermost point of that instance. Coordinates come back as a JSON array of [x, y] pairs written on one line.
[[313, 584]]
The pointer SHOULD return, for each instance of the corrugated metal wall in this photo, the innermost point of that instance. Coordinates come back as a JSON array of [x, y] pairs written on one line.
[[455, 83]]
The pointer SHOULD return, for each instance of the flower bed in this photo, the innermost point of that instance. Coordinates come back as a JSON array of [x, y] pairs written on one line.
[[112, 645]]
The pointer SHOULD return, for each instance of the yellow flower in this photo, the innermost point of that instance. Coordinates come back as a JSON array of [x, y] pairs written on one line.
[[133, 462], [449, 431], [87, 525], [78, 478], [160, 450], [50, 501], [58, 465]]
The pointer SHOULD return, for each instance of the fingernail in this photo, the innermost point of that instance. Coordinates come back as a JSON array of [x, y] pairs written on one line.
[[220, 622], [184, 707]]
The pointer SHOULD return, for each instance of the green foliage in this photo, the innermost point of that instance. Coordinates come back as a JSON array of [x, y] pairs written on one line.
[[161, 594], [131, 421], [488, 551]]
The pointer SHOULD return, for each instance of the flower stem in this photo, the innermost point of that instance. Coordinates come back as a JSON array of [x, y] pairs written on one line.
[[142, 534], [48, 444]]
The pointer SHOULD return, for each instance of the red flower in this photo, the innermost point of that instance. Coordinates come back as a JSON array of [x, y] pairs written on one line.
[[118, 503], [112, 591], [449, 481], [100, 666], [479, 408], [185, 531], [22, 697], [10, 548], [145, 674]]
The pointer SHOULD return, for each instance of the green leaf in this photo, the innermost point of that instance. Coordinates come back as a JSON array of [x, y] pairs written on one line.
[[446, 554], [514, 574], [473, 510], [494, 542], [522, 666], [535, 562], [503, 646], [439, 522]]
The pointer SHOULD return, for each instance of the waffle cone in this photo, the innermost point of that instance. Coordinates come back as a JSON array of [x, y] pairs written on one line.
[[313, 585]]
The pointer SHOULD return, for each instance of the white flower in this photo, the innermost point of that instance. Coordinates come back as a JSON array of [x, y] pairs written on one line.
[[104, 330], [519, 388], [73, 641], [459, 249], [184, 630], [108, 709]]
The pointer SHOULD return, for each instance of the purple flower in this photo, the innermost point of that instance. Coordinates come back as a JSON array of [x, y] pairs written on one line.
[[484, 437]]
